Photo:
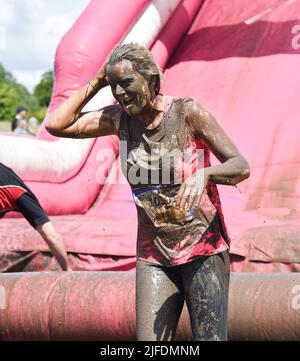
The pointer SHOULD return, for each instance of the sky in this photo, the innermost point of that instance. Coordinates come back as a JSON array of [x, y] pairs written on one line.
[[30, 31]]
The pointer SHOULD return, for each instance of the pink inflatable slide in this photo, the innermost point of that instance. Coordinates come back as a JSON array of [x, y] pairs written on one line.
[[238, 58]]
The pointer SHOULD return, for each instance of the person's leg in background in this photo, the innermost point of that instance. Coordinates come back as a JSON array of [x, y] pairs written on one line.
[[159, 302]]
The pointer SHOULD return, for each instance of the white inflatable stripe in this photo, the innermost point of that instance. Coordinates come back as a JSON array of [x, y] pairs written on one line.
[[40, 160], [55, 162], [151, 22]]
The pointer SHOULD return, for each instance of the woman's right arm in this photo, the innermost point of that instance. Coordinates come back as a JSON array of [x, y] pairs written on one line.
[[69, 122]]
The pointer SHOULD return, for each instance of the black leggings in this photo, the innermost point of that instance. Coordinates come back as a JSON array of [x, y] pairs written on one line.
[[161, 292]]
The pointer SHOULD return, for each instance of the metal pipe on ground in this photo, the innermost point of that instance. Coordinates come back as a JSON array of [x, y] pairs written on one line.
[[101, 306]]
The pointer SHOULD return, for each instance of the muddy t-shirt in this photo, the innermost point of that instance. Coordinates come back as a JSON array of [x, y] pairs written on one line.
[[155, 163]]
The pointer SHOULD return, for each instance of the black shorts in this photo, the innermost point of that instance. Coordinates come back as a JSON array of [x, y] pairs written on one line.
[[16, 196]]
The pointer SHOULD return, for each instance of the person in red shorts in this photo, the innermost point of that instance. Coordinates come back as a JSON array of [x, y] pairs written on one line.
[[16, 196]]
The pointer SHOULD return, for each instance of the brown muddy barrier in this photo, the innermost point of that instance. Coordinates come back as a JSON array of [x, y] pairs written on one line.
[[101, 306]]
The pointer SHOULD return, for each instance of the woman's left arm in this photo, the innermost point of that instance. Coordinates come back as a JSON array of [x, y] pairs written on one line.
[[233, 169]]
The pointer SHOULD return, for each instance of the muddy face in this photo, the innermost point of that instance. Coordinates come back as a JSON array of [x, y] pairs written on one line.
[[130, 88]]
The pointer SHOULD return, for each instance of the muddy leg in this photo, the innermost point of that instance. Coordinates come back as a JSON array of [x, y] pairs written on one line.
[[206, 283], [159, 303]]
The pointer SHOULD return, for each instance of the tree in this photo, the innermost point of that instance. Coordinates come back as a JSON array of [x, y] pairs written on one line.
[[12, 95], [43, 90], [5, 76], [9, 100]]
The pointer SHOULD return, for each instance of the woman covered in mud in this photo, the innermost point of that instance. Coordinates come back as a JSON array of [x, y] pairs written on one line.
[[165, 142]]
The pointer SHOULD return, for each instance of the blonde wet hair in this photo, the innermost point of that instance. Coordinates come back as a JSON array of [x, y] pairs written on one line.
[[142, 61]]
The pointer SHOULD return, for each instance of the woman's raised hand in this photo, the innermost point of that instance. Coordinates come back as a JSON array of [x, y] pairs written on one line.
[[100, 80]]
